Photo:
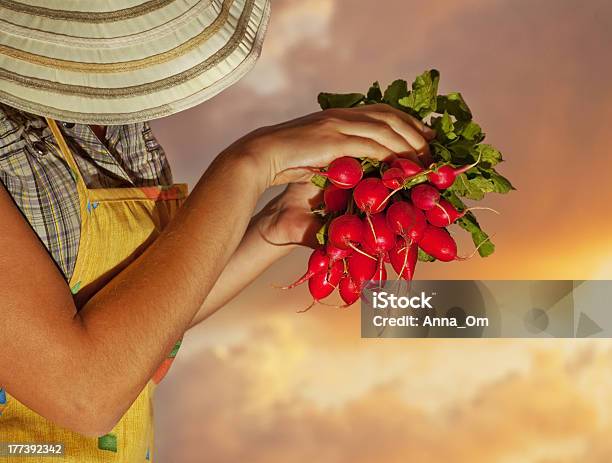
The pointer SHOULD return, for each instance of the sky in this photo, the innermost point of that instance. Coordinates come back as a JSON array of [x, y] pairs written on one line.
[[258, 382]]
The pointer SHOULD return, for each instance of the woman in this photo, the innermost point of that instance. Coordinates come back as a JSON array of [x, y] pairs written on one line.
[[105, 262]]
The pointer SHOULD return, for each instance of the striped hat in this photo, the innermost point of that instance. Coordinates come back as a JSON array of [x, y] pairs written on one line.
[[124, 61]]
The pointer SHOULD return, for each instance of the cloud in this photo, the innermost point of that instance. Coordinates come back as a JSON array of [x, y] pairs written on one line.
[[246, 402], [267, 386], [293, 23]]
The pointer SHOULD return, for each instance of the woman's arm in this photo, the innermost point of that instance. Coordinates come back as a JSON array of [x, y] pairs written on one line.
[[94, 363], [282, 225]]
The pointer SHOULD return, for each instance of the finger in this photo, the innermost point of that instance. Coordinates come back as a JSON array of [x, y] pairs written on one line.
[[405, 118], [412, 136], [378, 131], [363, 147], [418, 124], [305, 193]]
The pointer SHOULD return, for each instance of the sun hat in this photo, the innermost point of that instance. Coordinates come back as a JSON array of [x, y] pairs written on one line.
[[121, 61]]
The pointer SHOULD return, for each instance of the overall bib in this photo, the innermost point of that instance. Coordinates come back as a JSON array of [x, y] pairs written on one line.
[[117, 225]]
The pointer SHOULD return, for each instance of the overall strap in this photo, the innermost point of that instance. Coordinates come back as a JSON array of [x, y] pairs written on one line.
[[69, 158]]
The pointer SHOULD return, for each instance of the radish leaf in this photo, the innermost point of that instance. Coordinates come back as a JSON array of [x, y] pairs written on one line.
[[374, 93], [470, 131], [479, 237], [395, 92], [319, 180], [339, 100], [322, 234], [501, 184], [455, 105], [440, 152], [424, 257], [487, 154], [423, 98]]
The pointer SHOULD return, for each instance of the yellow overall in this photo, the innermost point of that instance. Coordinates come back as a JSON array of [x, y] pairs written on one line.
[[117, 224]]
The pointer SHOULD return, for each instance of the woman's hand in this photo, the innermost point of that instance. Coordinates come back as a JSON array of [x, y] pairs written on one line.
[[375, 131], [288, 218]]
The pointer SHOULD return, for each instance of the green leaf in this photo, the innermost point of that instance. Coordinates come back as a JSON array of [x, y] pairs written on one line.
[[440, 152], [422, 178], [423, 97], [467, 188], [455, 105], [395, 92], [369, 165], [374, 93], [319, 180], [500, 183], [469, 223], [479, 237], [470, 131], [488, 154], [445, 128], [452, 198], [462, 151], [424, 257], [322, 234], [339, 100]]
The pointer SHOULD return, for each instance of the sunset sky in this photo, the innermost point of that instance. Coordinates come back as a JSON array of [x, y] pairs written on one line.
[[259, 383]]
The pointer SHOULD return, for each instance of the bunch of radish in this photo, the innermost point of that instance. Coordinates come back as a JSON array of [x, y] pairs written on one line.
[[397, 212]]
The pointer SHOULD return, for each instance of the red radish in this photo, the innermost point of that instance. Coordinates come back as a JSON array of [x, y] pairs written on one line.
[[407, 166], [446, 214], [374, 253], [335, 253], [424, 196], [393, 178], [381, 272], [345, 231], [406, 220], [361, 268], [349, 290], [438, 243], [404, 258], [318, 262], [344, 172], [371, 195], [322, 284], [444, 176], [335, 198], [380, 238]]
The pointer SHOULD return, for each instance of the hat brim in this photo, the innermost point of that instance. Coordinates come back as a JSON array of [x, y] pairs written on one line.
[[126, 65]]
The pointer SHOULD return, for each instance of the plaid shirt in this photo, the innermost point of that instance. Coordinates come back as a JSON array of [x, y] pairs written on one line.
[[35, 174]]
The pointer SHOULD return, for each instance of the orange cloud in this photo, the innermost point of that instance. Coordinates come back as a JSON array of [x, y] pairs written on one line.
[[246, 403], [261, 384]]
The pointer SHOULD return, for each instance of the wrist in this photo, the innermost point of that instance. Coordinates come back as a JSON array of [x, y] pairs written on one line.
[[250, 157], [268, 229]]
